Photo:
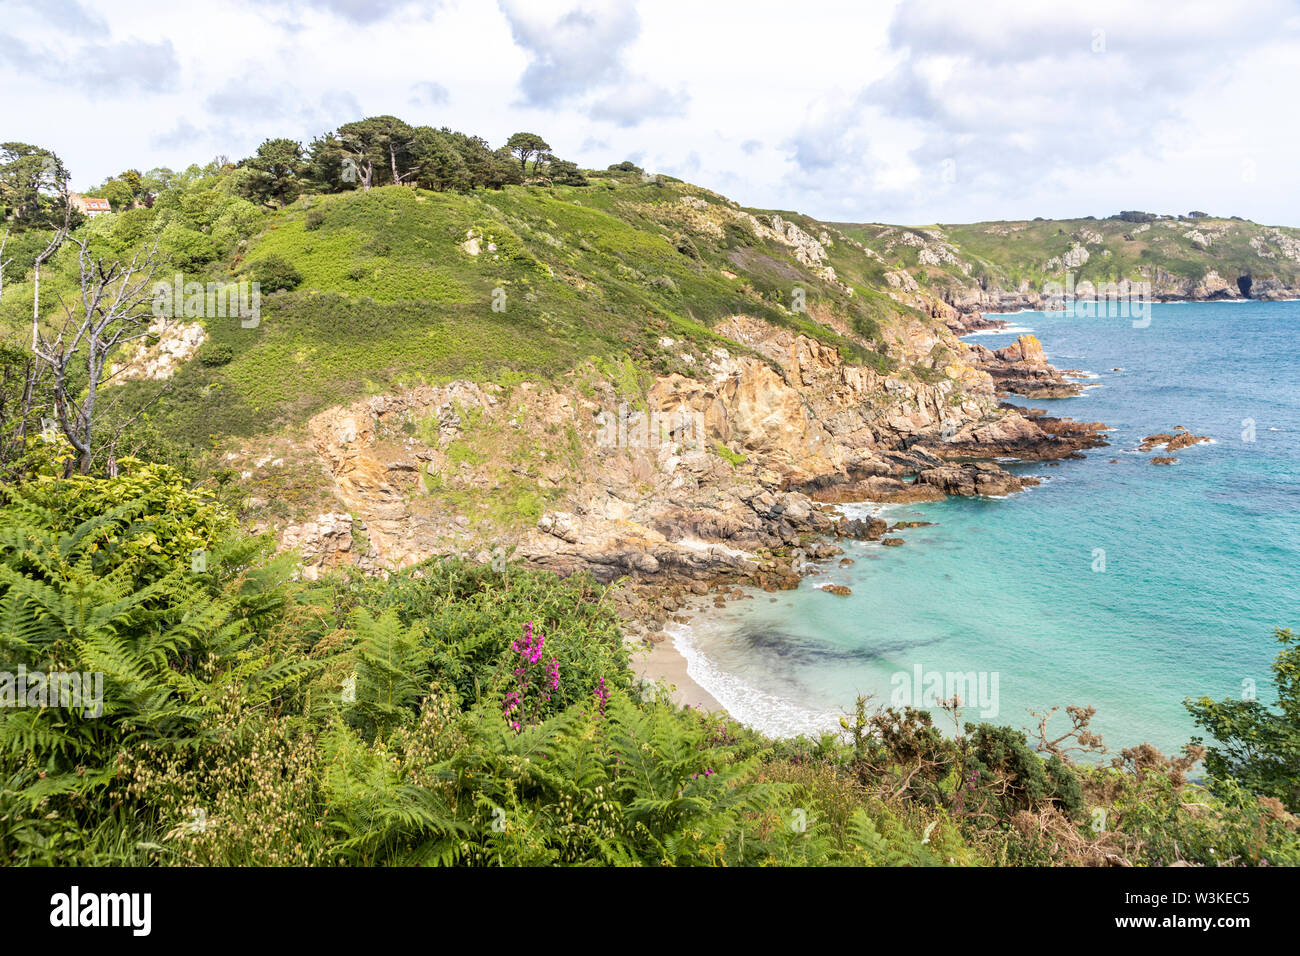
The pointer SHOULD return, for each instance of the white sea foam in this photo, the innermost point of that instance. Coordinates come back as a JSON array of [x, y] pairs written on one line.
[[1214, 301], [1009, 330], [773, 715], [869, 509]]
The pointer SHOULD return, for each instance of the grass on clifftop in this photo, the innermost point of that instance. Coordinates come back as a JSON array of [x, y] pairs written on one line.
[[1007, 254], [390, 296]]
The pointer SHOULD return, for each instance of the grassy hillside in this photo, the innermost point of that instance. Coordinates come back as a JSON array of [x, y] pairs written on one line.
[[401, 286], [250, 713], [1013, 255], [397, 286]]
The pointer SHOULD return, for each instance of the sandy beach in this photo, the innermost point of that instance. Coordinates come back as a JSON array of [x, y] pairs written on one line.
[[664, 664]]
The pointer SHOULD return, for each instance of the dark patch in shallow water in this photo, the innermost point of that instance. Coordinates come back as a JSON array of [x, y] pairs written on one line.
[[791, 649]]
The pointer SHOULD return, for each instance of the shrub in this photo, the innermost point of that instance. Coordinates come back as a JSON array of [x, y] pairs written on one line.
[[275, 274], [738, 235], [215, 354], [1002, 761], [566, 173], [1259, 748]]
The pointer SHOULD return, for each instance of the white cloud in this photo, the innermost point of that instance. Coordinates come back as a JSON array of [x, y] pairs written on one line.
[[573, 48], [637, 101], [929, 110], [429, 93]]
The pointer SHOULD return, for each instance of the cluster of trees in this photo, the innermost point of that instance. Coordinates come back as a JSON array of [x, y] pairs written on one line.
[[385, 151], [132, 189], [88, 291], [1135, 215], [34, 190], [184, 221], [33, 187]]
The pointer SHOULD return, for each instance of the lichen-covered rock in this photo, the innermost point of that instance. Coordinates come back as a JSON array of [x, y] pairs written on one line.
[[165, 349]]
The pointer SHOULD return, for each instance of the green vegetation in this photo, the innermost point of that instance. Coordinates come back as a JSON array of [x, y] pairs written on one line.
[[457, 714], [1259, 748], [1132, 246], [33, 187], [731, 457], [442, 258], [451, 713], [375, 289]]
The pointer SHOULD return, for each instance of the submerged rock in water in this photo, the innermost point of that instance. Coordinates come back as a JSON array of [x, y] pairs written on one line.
[[892, 542], [865, 529], [839, 589], [1172, 442]]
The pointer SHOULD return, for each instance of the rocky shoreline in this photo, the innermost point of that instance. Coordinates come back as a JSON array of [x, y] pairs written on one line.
[[785, 432], [973, 306]]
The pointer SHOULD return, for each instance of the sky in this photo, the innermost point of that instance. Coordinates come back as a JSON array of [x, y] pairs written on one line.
[[920, 111]]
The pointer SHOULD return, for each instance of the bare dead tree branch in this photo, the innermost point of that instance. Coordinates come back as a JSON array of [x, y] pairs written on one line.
[[4, 263], [114, 307]]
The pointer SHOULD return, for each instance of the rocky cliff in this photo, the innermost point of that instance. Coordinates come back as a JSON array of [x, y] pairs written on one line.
[[774, 435], [1010, 266]]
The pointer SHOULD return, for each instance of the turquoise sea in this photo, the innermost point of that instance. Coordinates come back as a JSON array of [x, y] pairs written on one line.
[[1126, 587]]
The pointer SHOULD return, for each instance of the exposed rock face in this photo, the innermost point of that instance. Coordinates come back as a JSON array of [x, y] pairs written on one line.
[[173, 344], [1072, 259], [1026, 434], [325, 541], [978, 478], [1021, 368], [880, 489], [797, 423], [964, 323]]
